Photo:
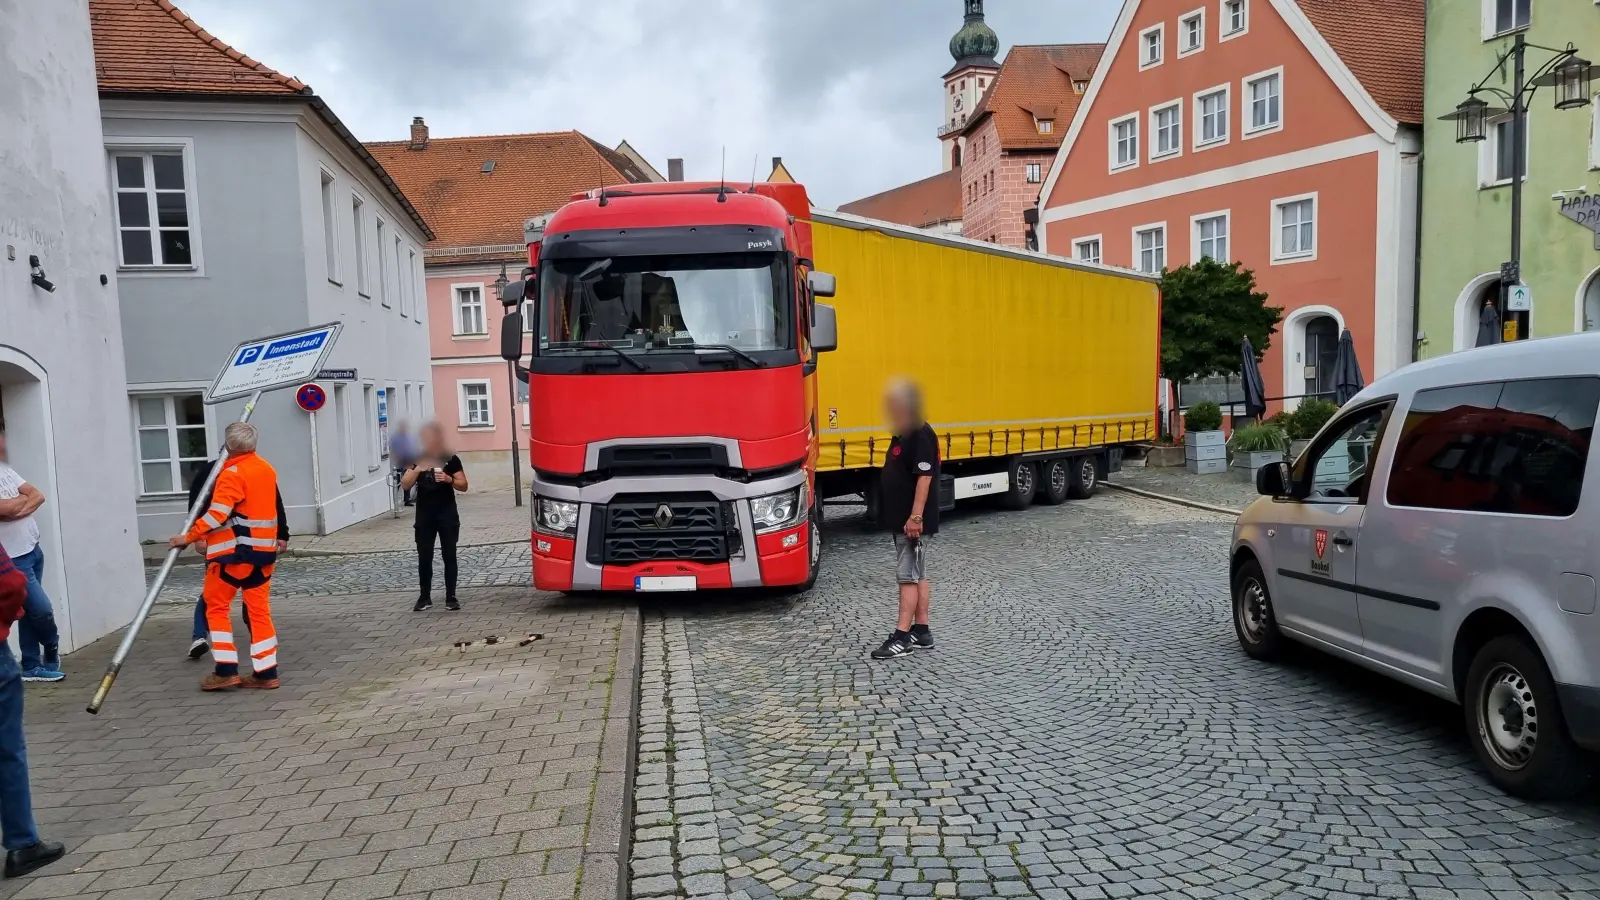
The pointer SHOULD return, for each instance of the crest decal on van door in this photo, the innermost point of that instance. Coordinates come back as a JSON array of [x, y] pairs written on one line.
[[1322, 542]]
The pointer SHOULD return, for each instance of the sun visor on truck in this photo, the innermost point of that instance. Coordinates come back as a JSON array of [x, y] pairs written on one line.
[[672, 241]]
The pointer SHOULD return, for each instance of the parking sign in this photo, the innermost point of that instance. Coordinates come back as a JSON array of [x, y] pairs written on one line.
[[282, 360]]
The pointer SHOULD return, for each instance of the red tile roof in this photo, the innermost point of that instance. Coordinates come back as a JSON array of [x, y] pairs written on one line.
[[1385, 57], [152, 48], [532, 174], [920, 204], [1036, 82]]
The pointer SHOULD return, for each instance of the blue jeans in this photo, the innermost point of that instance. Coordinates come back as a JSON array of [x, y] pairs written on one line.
[[37, 630], [202, 632], [16, 799]]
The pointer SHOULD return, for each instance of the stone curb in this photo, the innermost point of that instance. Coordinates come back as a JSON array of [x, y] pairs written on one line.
[[1167, 498], [605, 853], [303, 553]]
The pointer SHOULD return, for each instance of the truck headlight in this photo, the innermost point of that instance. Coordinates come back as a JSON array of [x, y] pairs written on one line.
[[784, 509], [556, 516]]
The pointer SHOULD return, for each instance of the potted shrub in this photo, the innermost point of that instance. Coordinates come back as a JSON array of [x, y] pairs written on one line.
[[1205, 452], [1303, 424], [1255, 446]]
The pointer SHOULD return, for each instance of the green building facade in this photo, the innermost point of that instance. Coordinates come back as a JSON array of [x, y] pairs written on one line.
[[1466, 192]]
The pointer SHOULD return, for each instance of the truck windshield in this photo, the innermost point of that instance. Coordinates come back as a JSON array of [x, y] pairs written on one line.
[[665, 304]]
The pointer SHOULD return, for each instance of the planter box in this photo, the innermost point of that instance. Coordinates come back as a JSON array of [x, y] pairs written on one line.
[[1245, 465], [1205, 451], [1205, 439], [1207, 466], [1164, 457]]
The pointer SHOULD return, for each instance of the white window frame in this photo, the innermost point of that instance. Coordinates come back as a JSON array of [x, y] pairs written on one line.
[[1279, 258], [1491, 18], [1198, 126], [1111, 134], [1099, 247], [328, 186], [1033, 173], [464, 409], [1195, 253], [369, 412], [399, 274], [342, 421], [1044, 126], [1225, 19], [1183, 32], [380, 232], [1155, 131], [457, 325], [174, 462], [1160, 31], [146, 146], [419, 286], [1489, 153], [402, 273], [358, 227], [1138, 230], [1247, 105]]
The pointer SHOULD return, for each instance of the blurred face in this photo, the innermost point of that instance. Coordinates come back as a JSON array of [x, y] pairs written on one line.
[[433, 440], [897, 411]]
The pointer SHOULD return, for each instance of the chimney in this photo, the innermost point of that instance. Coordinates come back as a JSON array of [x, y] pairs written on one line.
[[419, 134], [777, 163], [674, 170]]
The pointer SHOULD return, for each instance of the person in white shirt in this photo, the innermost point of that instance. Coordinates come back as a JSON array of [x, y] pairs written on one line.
[[19, 535]]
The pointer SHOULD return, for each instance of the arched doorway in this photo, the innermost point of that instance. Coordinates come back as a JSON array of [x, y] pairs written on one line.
[[1589, 303], [1469, 307], [25, 416], [1310, 348], [1322, 354]]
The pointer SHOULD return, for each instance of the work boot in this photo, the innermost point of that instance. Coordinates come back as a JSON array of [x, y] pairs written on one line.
[[254, 681], [21, 862], [219, 682]]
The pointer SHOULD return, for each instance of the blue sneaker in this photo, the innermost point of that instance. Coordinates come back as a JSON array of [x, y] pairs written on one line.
[[40, 673]]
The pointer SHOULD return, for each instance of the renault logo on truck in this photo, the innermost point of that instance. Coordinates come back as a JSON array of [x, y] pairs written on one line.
[[663, 516]]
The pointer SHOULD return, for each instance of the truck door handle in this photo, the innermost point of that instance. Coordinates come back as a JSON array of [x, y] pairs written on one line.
[[1343, 540]]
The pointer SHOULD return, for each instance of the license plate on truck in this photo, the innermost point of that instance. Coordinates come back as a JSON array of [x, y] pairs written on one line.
[[665, 583]]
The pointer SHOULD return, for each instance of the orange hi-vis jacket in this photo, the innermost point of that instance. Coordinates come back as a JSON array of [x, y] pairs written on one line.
[[242, 524]]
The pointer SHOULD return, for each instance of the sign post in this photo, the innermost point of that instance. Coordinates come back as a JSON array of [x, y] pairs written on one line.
[[312, 398], [254, 368]]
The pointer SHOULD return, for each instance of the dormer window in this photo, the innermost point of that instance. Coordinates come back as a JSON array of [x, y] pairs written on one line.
[[1045, 126], [1080, 86]]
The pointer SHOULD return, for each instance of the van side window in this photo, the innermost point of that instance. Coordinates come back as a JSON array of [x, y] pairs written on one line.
[[1338, 467], [1517, 447]]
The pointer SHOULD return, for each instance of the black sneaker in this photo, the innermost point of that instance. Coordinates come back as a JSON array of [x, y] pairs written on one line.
[[452, 604], [423, 604], [921, 637], [21, 862], [898, 644]]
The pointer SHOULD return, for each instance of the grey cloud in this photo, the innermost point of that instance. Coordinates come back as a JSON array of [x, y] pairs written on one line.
[[846, 91]]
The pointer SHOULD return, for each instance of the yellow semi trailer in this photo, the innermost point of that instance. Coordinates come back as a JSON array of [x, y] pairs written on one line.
[[1036, 370]]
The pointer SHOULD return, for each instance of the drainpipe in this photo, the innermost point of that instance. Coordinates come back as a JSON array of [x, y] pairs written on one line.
[[1416, 274]]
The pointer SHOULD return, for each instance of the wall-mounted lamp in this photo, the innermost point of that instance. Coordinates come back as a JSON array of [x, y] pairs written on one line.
[[36, 272]]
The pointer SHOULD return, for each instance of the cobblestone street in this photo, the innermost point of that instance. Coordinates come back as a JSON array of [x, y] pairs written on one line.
[[1086, 728]]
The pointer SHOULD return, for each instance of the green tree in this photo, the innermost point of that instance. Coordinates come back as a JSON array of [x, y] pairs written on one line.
[[1206, 310]]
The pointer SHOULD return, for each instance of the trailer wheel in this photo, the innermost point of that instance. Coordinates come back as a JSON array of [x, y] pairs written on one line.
[[1057, 477], [1085, 477], [1024, 483]]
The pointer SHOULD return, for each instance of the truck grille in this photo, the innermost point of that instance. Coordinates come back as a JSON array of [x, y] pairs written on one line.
[[645, 528]]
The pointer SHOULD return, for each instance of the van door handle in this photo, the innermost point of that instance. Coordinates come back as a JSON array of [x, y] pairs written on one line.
[[1343, 540]]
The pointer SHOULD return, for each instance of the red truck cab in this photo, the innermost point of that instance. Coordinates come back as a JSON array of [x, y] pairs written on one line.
[[672, 388]]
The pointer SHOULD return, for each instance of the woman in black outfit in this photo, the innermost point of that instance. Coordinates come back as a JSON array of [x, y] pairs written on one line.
[[438, 477]]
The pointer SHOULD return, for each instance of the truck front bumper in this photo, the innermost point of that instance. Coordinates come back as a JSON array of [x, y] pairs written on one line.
[[776, 558]]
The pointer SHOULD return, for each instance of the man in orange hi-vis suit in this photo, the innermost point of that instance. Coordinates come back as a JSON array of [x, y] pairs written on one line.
[[240, 531]]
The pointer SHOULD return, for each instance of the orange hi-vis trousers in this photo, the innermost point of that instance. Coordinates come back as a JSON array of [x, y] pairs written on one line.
[[218, 595]]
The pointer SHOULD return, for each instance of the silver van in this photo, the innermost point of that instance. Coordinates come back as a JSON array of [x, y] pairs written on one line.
[[1444, 529]]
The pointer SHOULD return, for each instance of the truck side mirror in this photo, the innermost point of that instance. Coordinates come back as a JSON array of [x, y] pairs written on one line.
[[513, 293], [511, 336], [825, 333], [822, 284]]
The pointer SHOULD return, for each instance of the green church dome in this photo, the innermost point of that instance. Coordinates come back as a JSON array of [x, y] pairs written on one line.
[[976, 43]]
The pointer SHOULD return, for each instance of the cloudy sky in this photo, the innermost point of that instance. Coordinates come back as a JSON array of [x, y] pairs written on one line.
[[846, 91]]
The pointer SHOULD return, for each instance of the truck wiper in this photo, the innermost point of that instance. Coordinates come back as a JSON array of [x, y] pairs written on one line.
[[722, 347], [602, 345]]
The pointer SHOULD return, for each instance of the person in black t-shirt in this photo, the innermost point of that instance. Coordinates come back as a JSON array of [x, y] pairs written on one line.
[[910, 510], [438, 476]]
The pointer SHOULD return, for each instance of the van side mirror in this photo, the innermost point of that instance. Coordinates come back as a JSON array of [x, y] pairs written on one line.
[[1272, 480], [825, 333], [822, 284], [511, 336]]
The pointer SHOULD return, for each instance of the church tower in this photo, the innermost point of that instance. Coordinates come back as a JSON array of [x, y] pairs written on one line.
[[973, 48]]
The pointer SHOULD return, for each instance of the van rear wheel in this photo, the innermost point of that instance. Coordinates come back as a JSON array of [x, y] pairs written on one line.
[[1515, 723]]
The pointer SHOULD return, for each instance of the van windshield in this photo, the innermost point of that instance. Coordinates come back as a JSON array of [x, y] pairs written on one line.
[[648, 305]]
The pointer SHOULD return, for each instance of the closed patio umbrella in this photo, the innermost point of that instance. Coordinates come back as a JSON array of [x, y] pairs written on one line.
[[1347, 381], [1255, 391], [1488, 326]]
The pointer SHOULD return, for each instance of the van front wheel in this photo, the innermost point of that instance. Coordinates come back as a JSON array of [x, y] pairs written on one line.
[[1514, 721]]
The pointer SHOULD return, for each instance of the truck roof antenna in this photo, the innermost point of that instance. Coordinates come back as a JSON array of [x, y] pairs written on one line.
[[755, 166], [722, 189]]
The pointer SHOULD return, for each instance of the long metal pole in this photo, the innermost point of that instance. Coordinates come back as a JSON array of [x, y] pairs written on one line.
[[316, 477], [516, 453], [1519, 164], [126, 647]]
